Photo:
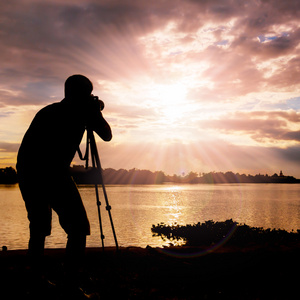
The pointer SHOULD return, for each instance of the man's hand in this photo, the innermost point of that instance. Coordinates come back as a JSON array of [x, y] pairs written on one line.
[[95, 103]]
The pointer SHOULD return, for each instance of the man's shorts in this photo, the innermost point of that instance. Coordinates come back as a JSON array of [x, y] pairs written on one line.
[[59, 193]]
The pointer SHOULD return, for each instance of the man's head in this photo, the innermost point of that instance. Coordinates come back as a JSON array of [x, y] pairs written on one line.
[[78, 86]]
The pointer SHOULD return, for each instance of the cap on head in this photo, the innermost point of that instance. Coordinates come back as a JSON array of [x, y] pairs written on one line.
[[77, 86]]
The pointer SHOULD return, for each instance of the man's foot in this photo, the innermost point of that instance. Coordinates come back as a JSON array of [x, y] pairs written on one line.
[[80, 286]]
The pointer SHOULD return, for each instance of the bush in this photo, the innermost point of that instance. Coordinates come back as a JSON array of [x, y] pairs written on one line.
[[210, 233]]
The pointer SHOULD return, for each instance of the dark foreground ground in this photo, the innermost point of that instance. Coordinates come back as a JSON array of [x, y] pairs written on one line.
[[177, 273]]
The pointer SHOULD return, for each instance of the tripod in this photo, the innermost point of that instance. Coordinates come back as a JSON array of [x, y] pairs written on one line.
[[90, 143]]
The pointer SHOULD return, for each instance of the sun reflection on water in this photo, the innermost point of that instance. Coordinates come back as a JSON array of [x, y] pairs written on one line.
[[174, 203], [172, 188]]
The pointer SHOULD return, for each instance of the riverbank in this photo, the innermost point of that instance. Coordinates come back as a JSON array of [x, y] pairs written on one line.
[[257, 272]]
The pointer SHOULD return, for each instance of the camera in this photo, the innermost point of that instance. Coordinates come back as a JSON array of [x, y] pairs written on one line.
[[97, 102]]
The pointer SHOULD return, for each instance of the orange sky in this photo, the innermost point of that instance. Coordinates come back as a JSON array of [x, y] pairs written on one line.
[[188, 85]]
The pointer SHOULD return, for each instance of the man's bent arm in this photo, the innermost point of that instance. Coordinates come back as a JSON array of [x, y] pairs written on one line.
[[101, 127]]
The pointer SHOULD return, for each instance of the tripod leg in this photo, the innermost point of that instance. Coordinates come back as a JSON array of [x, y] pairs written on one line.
[[99, 216], [108, 208], [90, 137], [96, 160]]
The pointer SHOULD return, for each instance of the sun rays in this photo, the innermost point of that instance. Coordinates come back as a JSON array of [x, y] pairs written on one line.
[[170, 100]]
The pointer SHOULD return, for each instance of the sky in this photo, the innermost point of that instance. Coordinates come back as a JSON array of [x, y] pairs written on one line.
[[199, 86]]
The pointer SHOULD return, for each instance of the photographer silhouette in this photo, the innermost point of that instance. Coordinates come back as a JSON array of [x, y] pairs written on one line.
[[43, 163]]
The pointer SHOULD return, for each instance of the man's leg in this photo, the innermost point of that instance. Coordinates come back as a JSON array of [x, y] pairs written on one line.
[[73, 219], [75, 251], [36, 245], [39, 215], [40, 227]]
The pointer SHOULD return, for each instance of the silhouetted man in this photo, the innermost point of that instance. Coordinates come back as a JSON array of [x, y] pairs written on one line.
[[44, 158]]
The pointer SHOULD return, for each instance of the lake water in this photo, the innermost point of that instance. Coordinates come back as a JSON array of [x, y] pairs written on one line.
[[135, 208]]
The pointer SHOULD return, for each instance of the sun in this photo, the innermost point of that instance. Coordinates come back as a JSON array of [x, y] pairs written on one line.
[[170, 100]]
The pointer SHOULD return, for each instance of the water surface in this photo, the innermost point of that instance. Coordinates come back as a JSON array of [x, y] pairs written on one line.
[[135, 208]]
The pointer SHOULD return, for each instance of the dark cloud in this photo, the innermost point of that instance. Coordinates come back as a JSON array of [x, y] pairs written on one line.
[[47, 41], [43, 43], [259, 125], [290, 154], [291, 135], [287, 76], [9, 147]]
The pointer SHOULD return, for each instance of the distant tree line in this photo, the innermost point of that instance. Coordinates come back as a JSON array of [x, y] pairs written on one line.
[[136, 176], [230, 177], [121, 176]]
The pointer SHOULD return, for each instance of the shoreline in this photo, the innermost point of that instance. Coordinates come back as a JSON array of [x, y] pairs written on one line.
[[255, 272]]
